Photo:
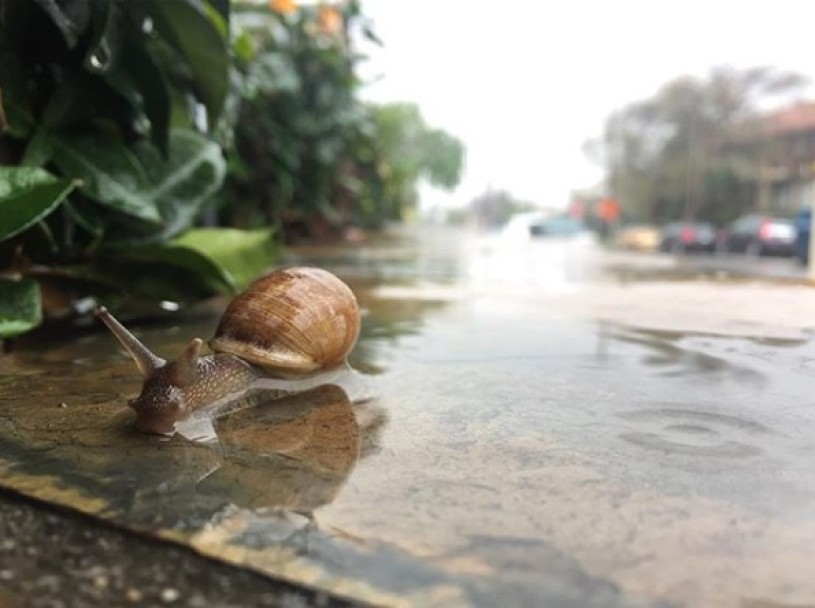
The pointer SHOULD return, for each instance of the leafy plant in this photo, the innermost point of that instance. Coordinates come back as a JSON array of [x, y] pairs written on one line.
[[105, 110], [310, 155], [19, 307], [119, 121], [298, 113], [406, 150]]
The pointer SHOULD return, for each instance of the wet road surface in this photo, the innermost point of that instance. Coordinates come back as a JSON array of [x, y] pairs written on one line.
[[544, 424]]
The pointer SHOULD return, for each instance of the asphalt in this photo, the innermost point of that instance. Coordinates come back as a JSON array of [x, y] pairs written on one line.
[[55, 558]]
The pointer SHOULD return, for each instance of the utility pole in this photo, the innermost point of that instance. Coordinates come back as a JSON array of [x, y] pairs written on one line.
[[811, 261]]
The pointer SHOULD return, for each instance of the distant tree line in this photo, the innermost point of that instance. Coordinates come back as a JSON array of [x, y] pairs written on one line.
[[490, 209], [667, 157]]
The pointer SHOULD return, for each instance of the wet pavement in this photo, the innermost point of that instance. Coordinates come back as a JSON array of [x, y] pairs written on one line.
[[57, 559], [545, 424]]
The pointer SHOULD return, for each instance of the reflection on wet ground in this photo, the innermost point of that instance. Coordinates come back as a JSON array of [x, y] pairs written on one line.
[[520, 449]]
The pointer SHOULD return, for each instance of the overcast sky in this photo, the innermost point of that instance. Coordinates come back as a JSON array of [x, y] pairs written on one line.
[[525, 83]]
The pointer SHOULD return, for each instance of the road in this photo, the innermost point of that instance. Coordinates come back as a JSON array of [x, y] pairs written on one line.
[[733, 265]]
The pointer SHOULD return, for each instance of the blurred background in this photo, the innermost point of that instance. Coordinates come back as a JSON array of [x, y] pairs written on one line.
[[158, 153]]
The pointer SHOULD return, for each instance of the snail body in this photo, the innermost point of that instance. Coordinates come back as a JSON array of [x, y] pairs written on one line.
[[281, 333]]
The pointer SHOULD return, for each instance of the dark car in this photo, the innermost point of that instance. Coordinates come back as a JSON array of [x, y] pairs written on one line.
[[759, 235], [688, 237], [803, 222]]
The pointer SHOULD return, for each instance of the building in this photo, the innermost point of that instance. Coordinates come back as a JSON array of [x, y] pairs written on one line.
[[777, 152]]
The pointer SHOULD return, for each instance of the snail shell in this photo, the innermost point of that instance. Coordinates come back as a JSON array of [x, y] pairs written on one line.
[[292, 322]]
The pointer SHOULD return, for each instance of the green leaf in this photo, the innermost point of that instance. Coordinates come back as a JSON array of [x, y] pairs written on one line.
[[241, 254], [151, 83], [27, 195], [244, 46], [222, 8], [143, 281], [186, 26], [184, 181], [2, 113], [40, 148], [70, 16], [103, 52], [85, 218], [217, 19], [168, 192], [111, 175], [80, 98], [16, 97], [20, 309], [223, 259]]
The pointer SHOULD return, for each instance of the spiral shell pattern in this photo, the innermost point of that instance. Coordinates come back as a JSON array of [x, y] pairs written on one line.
[[292, 322]]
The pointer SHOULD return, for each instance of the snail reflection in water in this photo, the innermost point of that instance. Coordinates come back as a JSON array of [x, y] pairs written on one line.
[[282, 334], [294, 453]]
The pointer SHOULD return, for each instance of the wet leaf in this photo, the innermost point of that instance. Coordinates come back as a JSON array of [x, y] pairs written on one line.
[[201, 263], [225, 259], [103, 52], [27, 195], [2, 113], [85, 217], [166, 262], [40, 148], [168, 192], [183, 182], [241, 254], [82, 97], [20, 308], [16, 97], [146, 76], [156, 281], [186, 26], [70, 16], [111, 174]]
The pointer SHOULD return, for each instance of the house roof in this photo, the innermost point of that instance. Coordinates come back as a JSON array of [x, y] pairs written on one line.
[[796, 118]]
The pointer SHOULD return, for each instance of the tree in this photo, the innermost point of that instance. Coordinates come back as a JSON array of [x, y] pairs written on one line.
[[310, 155], [666, 157], [409, 151], [493, 208]]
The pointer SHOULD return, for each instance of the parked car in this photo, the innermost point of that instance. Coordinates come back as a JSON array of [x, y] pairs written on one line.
[[688, 237], [759, 235], [802, 222], [639, 238]]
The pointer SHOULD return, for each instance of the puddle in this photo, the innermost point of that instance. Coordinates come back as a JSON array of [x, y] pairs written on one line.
[[515, 448], [694, 433]]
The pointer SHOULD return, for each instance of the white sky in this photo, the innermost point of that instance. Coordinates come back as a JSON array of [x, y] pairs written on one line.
[[525, 83]]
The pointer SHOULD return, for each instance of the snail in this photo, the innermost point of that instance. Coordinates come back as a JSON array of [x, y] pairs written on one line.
[[282, 334]]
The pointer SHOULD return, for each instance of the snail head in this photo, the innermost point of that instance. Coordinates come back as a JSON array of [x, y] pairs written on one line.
[[164, 394]]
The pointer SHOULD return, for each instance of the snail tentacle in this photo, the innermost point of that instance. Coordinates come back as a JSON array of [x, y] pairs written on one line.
[[187, 363], [145, 360]]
